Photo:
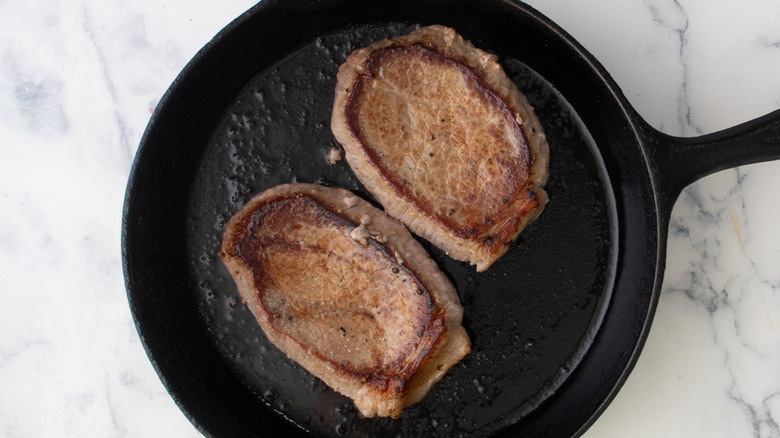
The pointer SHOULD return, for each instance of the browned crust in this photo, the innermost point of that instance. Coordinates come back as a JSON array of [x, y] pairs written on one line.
[[479, 244], [382, 390]]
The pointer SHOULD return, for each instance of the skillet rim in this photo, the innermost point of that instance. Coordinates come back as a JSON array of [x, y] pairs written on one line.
[[631, 117]]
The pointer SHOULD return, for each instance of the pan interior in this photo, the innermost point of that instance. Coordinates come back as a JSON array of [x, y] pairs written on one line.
[[531, 316]]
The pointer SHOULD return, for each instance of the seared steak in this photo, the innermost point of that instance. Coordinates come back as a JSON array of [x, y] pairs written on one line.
[[438, 133], [346, 291]]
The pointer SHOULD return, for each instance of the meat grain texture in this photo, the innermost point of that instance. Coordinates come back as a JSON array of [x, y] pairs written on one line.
[[445, 141], [345, 291]]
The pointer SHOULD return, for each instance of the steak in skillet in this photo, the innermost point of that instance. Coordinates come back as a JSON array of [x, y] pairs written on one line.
[[346, 291], [444, 140]]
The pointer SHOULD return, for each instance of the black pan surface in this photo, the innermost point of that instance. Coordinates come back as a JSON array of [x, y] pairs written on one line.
[[556, 324], [531, 316]]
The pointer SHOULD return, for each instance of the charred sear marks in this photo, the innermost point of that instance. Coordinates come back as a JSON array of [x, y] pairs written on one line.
[[439, 135], [351, 305]]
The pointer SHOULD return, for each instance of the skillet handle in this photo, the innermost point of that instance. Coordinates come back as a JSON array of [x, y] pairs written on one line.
[[679, 161]]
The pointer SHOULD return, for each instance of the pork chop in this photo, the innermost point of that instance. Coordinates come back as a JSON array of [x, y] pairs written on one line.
[[444, 140], [344, 290]]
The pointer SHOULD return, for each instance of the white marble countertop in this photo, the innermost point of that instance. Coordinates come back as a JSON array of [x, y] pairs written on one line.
[[78, 83]]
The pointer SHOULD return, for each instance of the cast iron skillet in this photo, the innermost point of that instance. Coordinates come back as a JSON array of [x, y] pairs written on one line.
[[556, 324]]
